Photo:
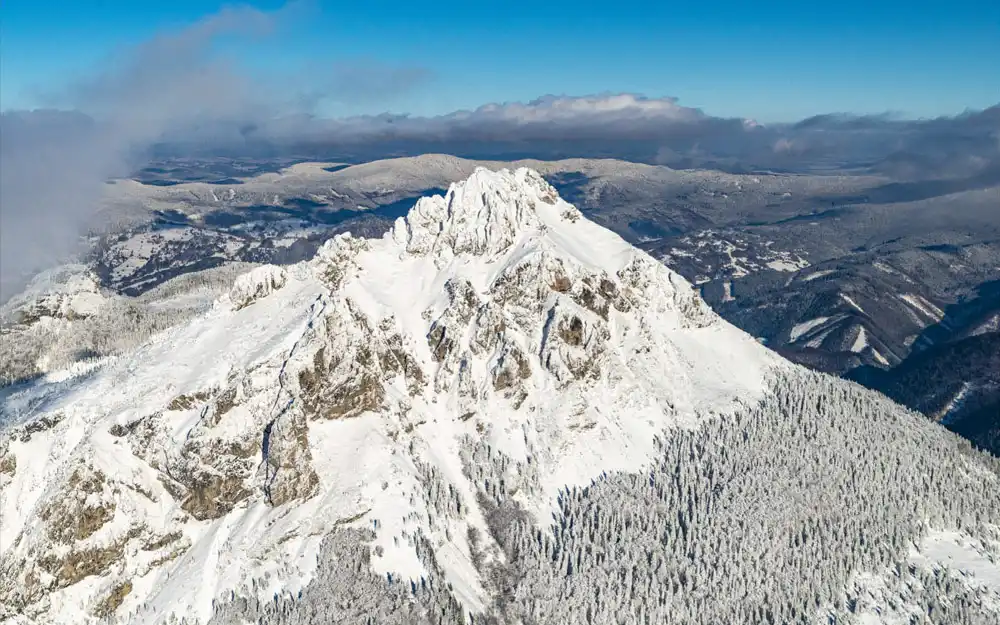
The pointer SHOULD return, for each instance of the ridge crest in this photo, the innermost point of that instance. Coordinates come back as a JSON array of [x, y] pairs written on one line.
[[482, 215]]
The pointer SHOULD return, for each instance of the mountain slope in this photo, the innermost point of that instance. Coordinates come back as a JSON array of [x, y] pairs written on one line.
[[953, 373], [385, 433], [65, 320], [956, 384]]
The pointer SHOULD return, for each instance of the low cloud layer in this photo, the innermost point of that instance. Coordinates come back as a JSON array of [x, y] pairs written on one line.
[[549, 118], [657, 130], [176, 95], [53, 163]]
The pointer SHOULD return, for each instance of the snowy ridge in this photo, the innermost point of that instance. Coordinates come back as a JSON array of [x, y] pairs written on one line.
[[62, 294]]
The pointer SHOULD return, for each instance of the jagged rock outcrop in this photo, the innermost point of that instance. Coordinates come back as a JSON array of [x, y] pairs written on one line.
[[257, 283]]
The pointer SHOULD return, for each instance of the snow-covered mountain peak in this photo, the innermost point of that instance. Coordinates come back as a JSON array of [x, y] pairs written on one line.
[[482, 215], [423, 400], [501, 272], [334, 391]]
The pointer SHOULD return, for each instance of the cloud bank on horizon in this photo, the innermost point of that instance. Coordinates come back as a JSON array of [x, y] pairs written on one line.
[[175, 94], [54, 162], [627, 116]]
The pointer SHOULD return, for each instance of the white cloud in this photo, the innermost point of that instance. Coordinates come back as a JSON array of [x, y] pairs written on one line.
[[551, 109]]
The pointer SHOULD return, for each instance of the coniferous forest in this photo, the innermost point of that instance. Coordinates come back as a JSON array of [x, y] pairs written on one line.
[[769, 515]]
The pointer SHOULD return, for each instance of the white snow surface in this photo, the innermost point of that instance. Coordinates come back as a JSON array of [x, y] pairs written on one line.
[[817, 274], [945, 416], [661, 359], [787, 265], [879, 357], [727, 291], [860, 341], [971, 562], [802, 328], [852, 303], [923, 306]]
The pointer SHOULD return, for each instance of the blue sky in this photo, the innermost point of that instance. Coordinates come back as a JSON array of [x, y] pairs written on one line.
[[771, 61]]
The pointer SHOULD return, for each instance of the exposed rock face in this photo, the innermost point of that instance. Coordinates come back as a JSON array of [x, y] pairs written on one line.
[[186, 402], [86, 505], [8, 463], [109, 604], [76, 565], [207, 474], [290, 474], [574, 342], [209, 496], [345, 380], [76, 535], [355, 360], [342, 391]]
